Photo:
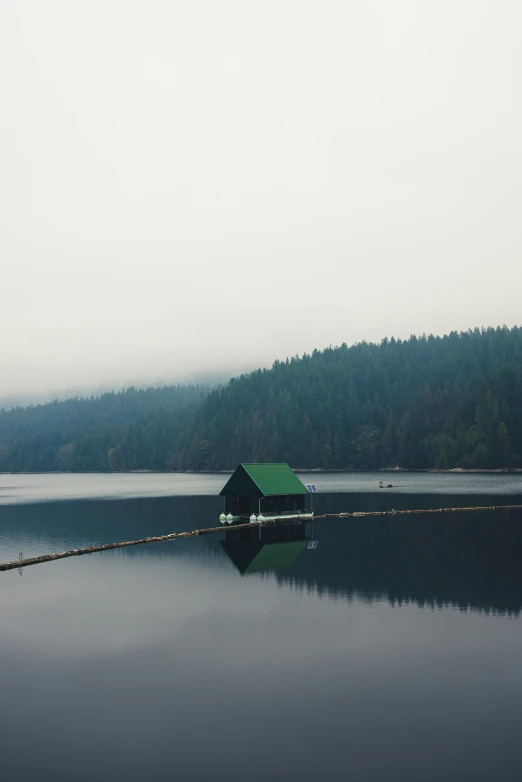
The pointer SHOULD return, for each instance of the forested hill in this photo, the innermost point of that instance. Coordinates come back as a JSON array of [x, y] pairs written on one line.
[[425, 402], [428, 402], [134, 428]]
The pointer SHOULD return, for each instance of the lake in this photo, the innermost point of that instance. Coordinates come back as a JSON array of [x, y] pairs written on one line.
[[45, 487], [383, 648]]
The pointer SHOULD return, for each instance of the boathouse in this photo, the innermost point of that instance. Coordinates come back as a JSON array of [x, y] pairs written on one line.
[[265, 491]]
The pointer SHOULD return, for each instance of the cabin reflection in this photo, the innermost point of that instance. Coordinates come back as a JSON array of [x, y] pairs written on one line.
[[259, 548]]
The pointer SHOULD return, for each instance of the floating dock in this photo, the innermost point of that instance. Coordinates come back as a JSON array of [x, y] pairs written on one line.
[[265, 492]]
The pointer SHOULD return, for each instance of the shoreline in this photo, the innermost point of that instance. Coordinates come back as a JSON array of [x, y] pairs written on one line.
[[315, 470]]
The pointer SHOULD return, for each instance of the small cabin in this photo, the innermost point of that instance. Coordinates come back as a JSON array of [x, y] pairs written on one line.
[[265, 491]]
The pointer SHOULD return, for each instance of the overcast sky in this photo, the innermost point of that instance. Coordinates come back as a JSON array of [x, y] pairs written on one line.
[[196, 186]]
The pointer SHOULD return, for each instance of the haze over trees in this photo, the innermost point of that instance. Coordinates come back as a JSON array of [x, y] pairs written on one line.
[[134, 427], [427, 402]]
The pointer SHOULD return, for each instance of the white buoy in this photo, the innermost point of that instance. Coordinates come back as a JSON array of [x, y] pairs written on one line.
[[253, 518], [260, 518], [230, 518], [222, 518]]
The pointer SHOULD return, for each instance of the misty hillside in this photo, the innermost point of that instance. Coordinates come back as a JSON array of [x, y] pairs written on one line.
[[78, 434], [426, 402]]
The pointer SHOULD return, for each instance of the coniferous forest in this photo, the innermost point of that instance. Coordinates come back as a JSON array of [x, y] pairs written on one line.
[[426, 402]]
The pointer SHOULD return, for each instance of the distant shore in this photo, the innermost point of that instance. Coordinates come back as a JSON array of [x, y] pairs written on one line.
[[319, 470]]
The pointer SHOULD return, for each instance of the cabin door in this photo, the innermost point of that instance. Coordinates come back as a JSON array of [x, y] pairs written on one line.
[[241, 505]]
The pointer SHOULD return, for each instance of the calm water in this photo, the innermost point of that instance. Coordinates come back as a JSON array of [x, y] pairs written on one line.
[[391, 651], [45, 487]]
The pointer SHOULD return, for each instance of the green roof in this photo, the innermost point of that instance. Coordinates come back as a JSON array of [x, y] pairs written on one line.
[[254, 558], [276, 555], [275, 479]]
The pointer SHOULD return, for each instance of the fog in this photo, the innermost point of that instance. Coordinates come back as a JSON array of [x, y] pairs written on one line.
[[189, 188]]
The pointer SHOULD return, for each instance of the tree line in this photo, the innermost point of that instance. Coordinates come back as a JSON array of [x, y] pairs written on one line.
[[130, 429], [425, 402]]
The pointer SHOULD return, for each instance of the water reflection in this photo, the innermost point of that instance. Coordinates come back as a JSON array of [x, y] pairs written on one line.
[[467, 560], [140, 663], [258, 548]]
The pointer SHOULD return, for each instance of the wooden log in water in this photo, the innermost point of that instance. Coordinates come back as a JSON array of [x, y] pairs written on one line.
[[78, 552], [19, 563]]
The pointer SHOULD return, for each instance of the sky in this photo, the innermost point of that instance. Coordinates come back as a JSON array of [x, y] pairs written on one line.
[[198, 187]]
